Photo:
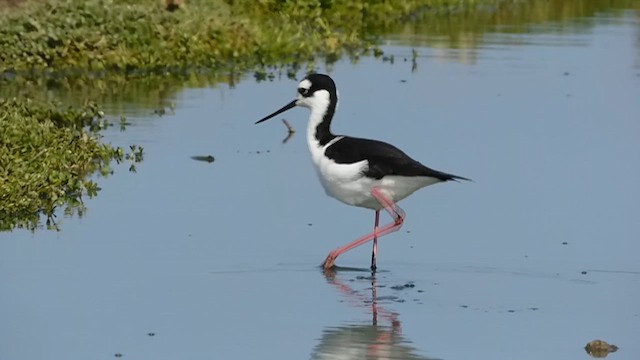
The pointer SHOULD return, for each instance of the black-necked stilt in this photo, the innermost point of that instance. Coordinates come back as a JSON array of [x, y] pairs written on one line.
[[359, 172]]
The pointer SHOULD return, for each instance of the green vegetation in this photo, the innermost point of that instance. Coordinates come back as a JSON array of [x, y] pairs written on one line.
[[46, 157], [136, 36]]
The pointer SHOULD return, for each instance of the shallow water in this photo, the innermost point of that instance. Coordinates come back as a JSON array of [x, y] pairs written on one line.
[[197, 260]]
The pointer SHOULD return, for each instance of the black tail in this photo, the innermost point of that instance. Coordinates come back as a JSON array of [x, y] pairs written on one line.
[[450, 177]]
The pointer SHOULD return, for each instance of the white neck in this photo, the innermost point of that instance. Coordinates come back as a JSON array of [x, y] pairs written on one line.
[[314, 119], [318, 109]]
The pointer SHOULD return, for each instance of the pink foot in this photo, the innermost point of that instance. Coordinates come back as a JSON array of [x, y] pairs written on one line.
[[330, 261]]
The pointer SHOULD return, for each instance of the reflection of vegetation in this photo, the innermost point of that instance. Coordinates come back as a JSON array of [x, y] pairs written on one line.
[[464, 26], [46, 156], [119, 94]]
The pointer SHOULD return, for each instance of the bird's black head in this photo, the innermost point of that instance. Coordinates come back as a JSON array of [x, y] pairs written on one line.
[[314, 91], [315, 82]]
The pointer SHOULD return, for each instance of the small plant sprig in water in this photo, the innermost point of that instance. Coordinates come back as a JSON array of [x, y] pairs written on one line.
[[135, 156], [47, 157]]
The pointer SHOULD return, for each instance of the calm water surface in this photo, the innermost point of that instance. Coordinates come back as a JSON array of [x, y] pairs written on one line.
[[190, 260]]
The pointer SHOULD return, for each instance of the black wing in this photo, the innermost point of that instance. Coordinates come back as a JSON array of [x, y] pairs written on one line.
[[384, 159]]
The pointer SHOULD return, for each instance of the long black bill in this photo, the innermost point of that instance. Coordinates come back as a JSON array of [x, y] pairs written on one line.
[[284, 108]]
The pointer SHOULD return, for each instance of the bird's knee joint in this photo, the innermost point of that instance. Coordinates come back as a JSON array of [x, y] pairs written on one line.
[[400, 215]]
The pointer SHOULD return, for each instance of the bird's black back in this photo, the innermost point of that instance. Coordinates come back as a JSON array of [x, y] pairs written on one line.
[[384, 159]]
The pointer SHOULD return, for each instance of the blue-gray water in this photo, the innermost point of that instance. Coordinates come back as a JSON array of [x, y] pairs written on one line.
[[190, 260]]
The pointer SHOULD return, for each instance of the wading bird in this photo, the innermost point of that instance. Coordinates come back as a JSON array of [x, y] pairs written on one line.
[[359, 172]]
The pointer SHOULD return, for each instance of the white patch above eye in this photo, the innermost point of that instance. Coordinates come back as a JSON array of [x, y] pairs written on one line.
[[305, 84]]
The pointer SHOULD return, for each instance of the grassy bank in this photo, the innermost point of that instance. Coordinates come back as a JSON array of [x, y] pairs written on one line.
[[131, 36]]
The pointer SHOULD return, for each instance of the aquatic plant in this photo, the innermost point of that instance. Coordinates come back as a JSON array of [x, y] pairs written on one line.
[[47, 156]]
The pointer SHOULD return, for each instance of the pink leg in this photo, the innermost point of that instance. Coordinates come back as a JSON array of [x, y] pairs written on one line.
[[374, 253], [396, 213]]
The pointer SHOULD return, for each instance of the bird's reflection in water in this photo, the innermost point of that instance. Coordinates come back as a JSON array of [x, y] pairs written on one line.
[[381, 338]]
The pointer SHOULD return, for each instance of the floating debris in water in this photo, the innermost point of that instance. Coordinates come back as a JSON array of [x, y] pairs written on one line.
[[599, 348], [402, 287], [583, 272], [118, 355], [207, 158], [151, 334], [362, 277], [565, 243], [163, 110]]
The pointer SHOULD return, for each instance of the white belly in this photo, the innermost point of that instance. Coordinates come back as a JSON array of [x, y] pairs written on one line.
[[346, 183]]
